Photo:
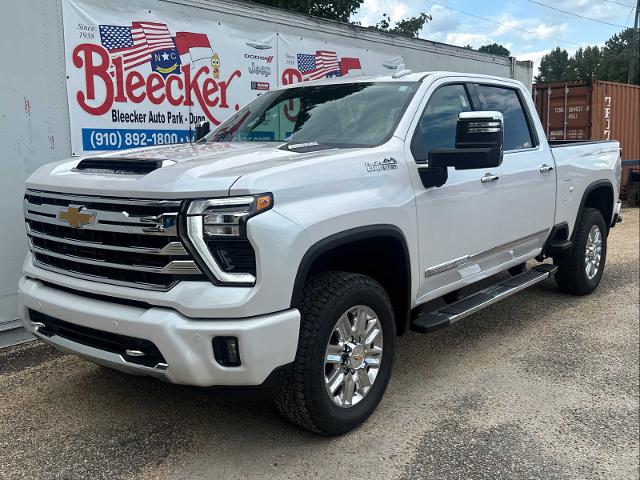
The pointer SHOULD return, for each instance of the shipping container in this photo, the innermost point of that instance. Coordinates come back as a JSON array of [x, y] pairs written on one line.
[[37, 99], [594, 110]]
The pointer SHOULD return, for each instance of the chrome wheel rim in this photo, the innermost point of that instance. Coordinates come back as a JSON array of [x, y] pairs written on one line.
[[353, 355], [593, 252]]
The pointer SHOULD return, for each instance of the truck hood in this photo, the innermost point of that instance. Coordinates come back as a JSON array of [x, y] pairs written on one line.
[[188, 170]]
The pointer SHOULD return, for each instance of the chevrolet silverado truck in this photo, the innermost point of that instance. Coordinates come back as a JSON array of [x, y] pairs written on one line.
[[289, 247]]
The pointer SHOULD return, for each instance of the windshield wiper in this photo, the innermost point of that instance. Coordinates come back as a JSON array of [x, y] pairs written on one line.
[[304, 147]]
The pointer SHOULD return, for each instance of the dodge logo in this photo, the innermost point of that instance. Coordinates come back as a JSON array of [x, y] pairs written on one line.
[[76, 217]]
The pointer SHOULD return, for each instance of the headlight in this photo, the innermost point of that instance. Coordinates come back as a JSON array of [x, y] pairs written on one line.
[[216, 234]]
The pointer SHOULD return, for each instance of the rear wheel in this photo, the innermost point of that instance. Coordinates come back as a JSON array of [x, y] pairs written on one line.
[[345, 354], [580, 269]]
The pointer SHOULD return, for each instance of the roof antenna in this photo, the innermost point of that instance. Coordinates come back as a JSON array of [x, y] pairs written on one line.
[[396, 64]]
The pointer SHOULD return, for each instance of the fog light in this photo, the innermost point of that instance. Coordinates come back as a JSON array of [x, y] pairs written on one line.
[[226, 351]]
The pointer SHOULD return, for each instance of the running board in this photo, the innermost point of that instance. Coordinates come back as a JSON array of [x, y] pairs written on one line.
[[452, 313]]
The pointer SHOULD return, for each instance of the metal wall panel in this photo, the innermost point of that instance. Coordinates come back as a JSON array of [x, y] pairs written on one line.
[[34, 125]]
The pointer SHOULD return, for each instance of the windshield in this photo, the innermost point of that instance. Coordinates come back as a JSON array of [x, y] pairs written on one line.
[[340, 115]]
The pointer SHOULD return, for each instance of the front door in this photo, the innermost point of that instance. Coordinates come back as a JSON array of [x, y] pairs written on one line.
[[458, 223]]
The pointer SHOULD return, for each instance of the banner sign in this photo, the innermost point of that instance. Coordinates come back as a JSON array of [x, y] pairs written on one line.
[[137, 77]]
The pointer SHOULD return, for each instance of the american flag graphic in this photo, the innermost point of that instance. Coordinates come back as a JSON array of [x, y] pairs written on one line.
[[135, 43], [322, 64]]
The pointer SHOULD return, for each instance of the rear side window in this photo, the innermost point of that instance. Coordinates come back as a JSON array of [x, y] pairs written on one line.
[[437, 126], [506, 100]]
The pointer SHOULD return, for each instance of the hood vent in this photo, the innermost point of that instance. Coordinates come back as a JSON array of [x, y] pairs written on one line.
[[121, 166]]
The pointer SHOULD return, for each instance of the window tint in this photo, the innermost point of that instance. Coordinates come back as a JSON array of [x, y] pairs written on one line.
[[437, 126], [506, 101]]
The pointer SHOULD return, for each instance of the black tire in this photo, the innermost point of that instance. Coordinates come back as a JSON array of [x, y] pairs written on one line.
[[571, 276], [518, 269], [303, 398]]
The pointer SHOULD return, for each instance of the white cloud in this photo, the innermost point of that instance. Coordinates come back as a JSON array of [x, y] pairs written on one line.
[[537, 27], [450, 27], [545, 30], [535, 57], [444, 21], [397, 10], [370, 12], [596, 9]]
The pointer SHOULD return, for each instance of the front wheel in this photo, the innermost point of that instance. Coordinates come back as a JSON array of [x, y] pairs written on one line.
[[345, 354], [580, 269]]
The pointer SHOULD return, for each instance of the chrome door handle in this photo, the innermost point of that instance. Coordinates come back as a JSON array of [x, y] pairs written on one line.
[[488, 178], [545, 168]]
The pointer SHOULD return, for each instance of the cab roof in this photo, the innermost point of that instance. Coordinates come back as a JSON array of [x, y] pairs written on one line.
[[410, 77]]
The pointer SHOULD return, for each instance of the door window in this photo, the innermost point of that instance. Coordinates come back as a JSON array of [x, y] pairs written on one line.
[[437, 125], [517, 134]]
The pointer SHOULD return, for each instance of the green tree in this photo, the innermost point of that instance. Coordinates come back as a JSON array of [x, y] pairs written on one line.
[[409, 27], [555, 66], [495, 49], [585, 63], [617, 56], [340, 10], [612, 62]]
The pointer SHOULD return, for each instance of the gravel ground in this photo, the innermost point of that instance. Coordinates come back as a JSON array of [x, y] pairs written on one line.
[[540, 386]]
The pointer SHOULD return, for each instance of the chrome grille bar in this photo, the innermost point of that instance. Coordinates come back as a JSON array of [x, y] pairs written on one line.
[[108, 227], [102, 279], [172, 248], [122, 217], [173, 267], [86, 199]]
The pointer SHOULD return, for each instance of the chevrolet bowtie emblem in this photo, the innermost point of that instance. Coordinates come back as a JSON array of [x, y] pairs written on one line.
[[75, 217]]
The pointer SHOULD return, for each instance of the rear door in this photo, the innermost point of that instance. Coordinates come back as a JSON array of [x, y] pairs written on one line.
[[527, 178], [459, 222]]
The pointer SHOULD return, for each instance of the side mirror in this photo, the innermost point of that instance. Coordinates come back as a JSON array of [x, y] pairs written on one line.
[[479, 144], [202, 129]]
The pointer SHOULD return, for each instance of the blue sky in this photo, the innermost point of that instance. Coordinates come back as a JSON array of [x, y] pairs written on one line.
[[568, 31]]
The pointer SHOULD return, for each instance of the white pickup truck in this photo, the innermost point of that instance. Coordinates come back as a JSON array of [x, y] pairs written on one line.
[[290, 246]]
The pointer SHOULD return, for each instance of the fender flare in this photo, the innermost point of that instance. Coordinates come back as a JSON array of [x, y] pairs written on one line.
[[587, 191], [349, 236]]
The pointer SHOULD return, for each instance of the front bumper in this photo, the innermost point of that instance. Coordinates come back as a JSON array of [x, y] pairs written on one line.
[[266, 342]]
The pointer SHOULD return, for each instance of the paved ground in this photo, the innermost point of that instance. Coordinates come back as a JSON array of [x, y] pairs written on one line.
[[541, 386]]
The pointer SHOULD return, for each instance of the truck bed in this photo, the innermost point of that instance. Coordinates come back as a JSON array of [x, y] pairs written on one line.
[[568, 143]]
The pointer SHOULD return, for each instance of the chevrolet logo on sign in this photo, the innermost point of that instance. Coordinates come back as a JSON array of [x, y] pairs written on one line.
[[76, 218]]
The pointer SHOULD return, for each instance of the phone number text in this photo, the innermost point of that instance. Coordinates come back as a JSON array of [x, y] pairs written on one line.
[[117, 139]]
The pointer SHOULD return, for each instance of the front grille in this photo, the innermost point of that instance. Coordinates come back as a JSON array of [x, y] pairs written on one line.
[[106, 341], [120, 241]]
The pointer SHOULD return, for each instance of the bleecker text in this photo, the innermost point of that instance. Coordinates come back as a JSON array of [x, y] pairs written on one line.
[[132, 86]]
